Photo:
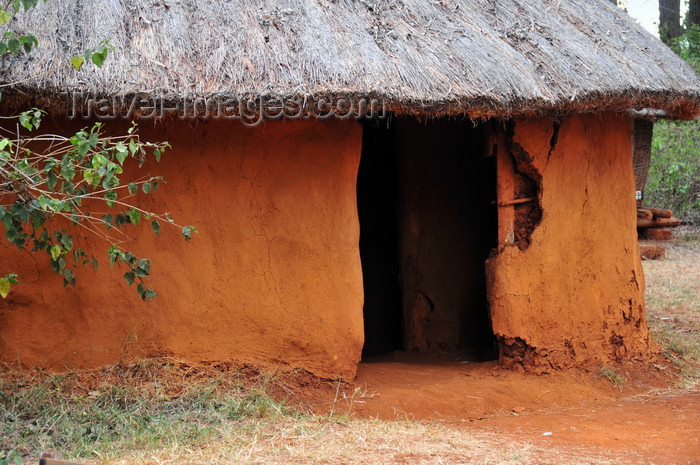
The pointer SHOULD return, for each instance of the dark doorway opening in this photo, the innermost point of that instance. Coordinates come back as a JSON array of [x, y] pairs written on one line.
[[377, 192], [427, 225]]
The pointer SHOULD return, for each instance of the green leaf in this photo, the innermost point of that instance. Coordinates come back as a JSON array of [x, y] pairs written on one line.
[[55, 251], [67, 242], [110, 197], [5, 18], [20, 212], [12, 235], [67, 168], [121, 219], [26, 121], [99, 58], [187, 232], [113, 253], [140, 272], [37, 219], [108, 220], [6, 217], [28, 42], [145, 293], [13, 45], [155, 225], [146, 186], [98, 160], [120, 156], [91, 177], [68, 277], [55, 205], [156, 153], [133, 188], [4, 287], [51, 180], [134, 216], [129, 277]]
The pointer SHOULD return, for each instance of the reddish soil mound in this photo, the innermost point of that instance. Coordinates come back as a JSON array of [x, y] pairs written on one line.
[[652, 252]]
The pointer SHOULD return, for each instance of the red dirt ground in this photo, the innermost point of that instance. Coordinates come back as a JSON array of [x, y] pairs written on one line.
[[640, 422]]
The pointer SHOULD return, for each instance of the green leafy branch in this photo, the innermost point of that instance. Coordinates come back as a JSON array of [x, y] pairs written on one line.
[[97, 56], [71, 178], [13, 42]]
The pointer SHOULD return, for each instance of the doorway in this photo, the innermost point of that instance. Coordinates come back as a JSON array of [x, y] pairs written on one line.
[[427, 224]]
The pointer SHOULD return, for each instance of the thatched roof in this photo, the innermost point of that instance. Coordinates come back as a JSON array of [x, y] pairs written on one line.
[[427, 57]]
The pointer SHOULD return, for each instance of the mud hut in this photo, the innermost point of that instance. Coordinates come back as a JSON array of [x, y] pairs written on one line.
[[485, 207]]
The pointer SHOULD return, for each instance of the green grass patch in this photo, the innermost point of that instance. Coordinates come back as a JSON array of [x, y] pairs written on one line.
[[141, 407], [611, 375]]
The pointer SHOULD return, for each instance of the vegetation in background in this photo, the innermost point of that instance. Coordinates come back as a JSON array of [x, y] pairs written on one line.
[[674, 172], [687, 45]]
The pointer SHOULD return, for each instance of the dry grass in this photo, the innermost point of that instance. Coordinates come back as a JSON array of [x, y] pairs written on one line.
[[319, 441], [673, 300], [164, 411]]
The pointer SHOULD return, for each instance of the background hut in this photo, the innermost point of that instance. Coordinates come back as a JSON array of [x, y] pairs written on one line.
[[509, 227]]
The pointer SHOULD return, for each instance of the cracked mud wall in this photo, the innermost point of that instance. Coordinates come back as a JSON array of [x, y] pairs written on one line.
[[273, 277], [575, 294]]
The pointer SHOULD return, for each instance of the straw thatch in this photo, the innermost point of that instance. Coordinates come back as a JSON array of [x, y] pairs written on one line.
[[426, 57]]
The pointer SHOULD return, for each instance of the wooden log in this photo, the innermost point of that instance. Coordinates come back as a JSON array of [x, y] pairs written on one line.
[[53, 457], [50, 461], [644, 214], [507, 203], [656, 234], [660, 212], [658, 223]]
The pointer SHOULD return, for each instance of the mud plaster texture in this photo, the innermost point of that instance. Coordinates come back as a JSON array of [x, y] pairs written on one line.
[[273, 276], [574, 294]]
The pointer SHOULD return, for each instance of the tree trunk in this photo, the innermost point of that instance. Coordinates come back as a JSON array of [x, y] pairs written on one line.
[[693, 17], [658, 223], [669, 19]]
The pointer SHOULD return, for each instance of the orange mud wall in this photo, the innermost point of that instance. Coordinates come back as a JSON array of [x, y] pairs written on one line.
[[273, 276], [566, 285]]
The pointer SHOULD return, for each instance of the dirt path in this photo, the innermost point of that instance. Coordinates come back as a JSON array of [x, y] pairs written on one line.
[[583, 411], [662, 429]]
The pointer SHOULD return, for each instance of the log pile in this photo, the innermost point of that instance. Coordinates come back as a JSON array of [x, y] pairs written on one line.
[[654, 223]]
